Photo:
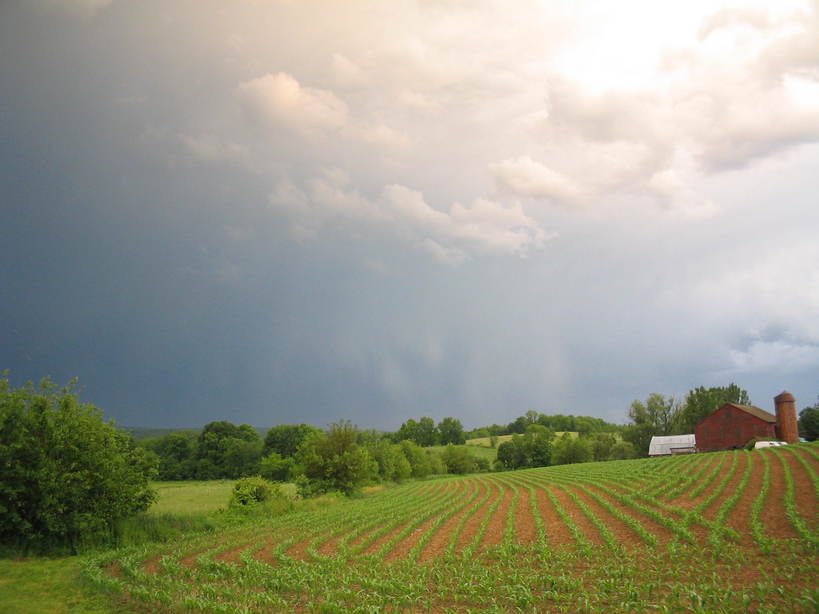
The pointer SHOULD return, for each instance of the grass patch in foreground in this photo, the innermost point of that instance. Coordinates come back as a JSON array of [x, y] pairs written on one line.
[[47, 586]]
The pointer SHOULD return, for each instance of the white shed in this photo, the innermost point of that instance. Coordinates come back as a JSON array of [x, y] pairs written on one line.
[[666, 445]]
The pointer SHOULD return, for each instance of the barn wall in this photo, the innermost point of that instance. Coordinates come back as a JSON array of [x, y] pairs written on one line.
[[729, 428]]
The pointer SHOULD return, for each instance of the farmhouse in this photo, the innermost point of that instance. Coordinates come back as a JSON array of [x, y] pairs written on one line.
[[733, 425], [668, 445]]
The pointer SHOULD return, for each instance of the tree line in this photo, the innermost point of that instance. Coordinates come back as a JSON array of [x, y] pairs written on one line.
[[339, 458]]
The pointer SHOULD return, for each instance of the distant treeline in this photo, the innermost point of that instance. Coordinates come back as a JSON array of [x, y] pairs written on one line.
[[288, 452], [556, 422], [342, 457]]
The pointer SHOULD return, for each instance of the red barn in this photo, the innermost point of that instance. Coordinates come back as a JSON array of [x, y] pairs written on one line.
[[732, 426]]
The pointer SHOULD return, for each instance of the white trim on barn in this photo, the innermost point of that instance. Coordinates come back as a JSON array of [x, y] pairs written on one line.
[[666, 445]]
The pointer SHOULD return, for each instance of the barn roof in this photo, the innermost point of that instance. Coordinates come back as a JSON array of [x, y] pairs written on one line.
[[755, 411]]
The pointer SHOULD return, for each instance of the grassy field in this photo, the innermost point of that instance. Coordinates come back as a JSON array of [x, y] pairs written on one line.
[[488, 453], [486, 442], [191, 497], [716, 533]]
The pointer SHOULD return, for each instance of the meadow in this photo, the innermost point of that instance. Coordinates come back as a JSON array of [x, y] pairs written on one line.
[[722, 532]]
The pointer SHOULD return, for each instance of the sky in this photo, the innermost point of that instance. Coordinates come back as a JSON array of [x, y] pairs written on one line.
[[277, 211]]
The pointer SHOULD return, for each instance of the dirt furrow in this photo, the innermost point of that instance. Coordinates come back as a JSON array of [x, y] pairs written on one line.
[[440, 541], [583, 524], [773, 516], [497, 524]]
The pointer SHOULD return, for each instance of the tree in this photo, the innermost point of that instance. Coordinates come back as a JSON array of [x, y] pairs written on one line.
[[176, 452], [419, 461], [335, 461], [427, 434], [458, 460], [275, 468], [602, 444], [451, 430], [532, 449], [567, 450], [285, 439], [68, 476], [225, 450], [622, 450], [702, 402], [657, 416], [809, 422]]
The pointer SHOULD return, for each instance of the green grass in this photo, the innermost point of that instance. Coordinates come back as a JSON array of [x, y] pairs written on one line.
[[485, 442], [47, 586], [191, 497], [489, 454]]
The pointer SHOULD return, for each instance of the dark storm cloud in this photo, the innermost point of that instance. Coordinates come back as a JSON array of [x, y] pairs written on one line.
[[208, 215]]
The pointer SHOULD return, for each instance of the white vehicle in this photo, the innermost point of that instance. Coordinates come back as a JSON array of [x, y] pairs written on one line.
[[769, 444]]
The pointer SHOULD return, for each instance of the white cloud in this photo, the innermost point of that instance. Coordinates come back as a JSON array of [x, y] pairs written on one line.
[[777, 357], [525, 177], [347, 73], [450, 236], [280, 100]]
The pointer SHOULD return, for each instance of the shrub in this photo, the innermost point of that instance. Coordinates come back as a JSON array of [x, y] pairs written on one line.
[[68, 477], [253, 490]]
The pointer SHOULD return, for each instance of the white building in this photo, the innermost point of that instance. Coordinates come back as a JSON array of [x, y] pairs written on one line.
[[668, 445]]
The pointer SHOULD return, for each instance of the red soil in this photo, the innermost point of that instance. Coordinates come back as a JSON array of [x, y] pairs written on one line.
[[497, 524], [475, 521], [525, 529], [583, 524], [557, 533], [442, 538], [804, 490], [623, 534], [740, 517], [662, 533], [773, 516]]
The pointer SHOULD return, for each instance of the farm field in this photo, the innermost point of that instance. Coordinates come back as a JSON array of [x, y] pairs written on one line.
[[722, 532]]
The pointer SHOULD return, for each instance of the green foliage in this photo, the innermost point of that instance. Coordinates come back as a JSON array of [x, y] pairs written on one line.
[[253, 490], [274, 467], [701, 402], [657, 416], [68, 477], [285, 439], [568, 450], [602, 445], [533, 449], [809, 422], [622, 450], [393, 465], [421, 464], [335, 461], [450, 430], [176, 452], [225, 450], [458, 460], [424, 432]]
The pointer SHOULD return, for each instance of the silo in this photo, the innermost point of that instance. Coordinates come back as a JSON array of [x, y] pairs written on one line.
[[786, 427]]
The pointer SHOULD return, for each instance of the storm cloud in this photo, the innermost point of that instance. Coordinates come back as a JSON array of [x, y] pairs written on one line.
[[274, 212]]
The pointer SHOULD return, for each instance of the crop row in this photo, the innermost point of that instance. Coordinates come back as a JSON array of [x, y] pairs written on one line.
[[547, 538]]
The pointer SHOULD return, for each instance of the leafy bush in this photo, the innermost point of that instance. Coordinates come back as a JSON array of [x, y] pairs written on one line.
[[253, 490], [68, 477], [335, 461]]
